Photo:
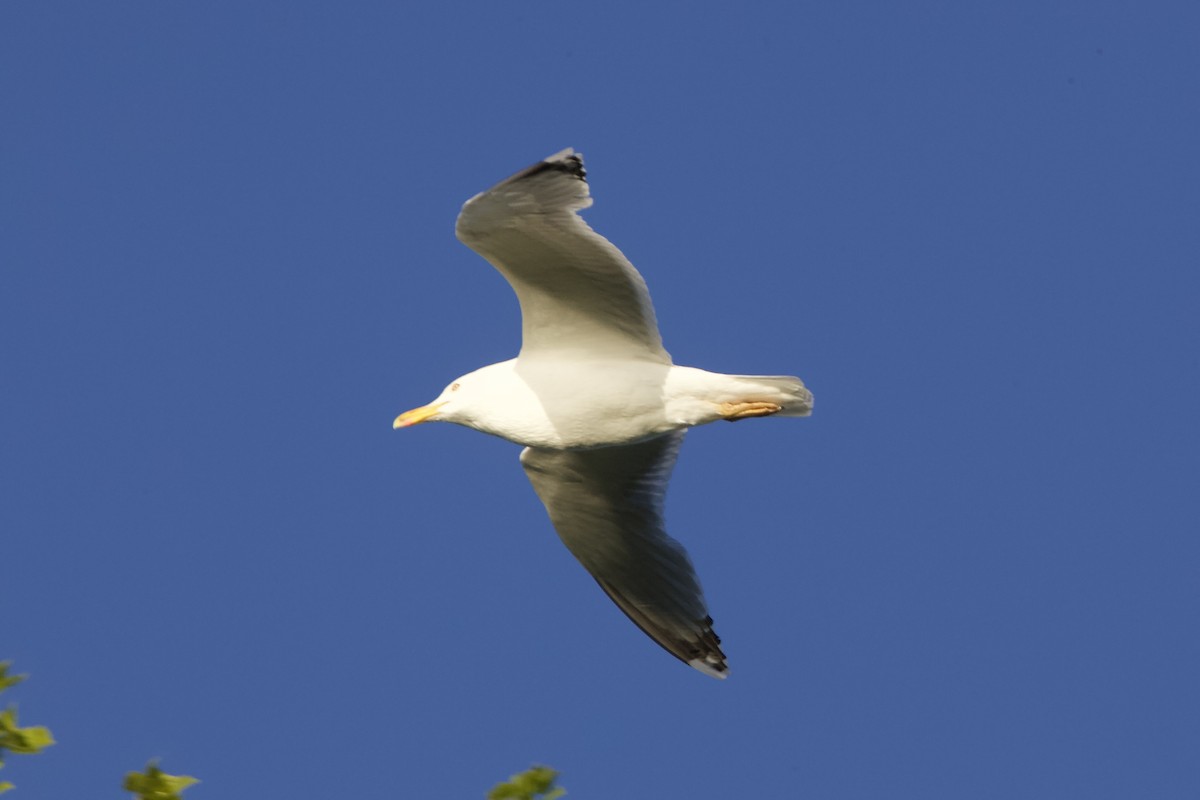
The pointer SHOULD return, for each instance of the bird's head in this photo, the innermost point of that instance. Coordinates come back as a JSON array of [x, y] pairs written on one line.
[[448, 406]]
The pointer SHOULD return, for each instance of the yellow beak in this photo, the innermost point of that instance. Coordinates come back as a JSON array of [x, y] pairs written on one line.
[[416, 416]]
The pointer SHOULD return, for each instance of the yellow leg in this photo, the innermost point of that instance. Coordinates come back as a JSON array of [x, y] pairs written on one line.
[[732, 412]]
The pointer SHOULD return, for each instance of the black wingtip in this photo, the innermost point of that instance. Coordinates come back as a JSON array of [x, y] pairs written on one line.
[[707, 654], [565, 161], [701, 651]]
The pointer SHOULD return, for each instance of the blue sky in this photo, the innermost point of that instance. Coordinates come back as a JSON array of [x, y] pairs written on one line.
[[227, 261]]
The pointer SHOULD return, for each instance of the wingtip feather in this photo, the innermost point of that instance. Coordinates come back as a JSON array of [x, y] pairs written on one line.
[[718, 671], [567, 161]]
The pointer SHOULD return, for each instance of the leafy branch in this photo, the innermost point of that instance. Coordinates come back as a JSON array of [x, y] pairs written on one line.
[[533, 783], [154, 784], [536, 783], [13, 738]]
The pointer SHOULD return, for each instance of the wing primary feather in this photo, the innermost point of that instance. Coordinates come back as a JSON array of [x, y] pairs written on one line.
[[606, 505], [580, 297], [567, 161], [703, 652]]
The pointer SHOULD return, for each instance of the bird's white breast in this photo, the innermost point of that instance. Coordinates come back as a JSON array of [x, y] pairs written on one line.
[[569, 404]]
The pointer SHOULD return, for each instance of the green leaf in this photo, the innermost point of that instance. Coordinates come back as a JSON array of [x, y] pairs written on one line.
[[154, 784], [7, 680], [529, 785], [14, 738], [33, 739]]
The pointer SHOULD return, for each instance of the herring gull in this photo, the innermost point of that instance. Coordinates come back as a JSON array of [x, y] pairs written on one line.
[[596, 401]]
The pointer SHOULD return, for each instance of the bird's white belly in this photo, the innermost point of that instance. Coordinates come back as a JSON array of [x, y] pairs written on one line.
[[572, 405]]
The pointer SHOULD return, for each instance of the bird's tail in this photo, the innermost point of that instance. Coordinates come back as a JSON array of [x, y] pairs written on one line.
[[785, 390]]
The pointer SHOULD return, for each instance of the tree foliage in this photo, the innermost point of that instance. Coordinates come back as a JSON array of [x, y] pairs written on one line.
[[13, 738], [536, 782], [154, 784]]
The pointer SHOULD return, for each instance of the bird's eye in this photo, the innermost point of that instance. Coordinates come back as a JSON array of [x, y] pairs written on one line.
[[454, 387]]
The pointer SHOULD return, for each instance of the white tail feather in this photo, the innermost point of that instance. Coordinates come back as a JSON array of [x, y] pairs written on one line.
[[786, 390]]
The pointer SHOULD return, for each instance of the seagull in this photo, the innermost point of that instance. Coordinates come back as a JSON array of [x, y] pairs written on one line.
[[596, 401]]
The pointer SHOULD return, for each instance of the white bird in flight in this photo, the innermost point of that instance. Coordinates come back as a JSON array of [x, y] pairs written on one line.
[[596, 401]]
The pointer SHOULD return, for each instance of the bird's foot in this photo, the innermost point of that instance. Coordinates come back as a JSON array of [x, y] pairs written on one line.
[[732, 412]]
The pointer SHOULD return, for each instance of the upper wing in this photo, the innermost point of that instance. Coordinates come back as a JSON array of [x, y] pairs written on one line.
[[578, 293], [606, 505]]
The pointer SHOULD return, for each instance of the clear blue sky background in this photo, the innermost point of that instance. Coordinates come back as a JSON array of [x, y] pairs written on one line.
[[227, 261]]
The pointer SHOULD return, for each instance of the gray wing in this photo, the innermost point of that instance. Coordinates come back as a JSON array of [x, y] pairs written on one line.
[[607, 506], [579, 295]]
